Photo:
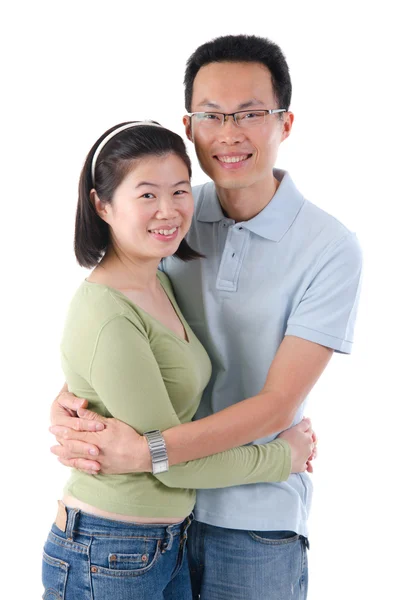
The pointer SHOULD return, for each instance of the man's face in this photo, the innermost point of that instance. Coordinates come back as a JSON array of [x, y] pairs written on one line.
[[233, 156]]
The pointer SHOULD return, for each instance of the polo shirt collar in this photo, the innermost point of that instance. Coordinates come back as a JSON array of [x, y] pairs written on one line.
[[273, 221]]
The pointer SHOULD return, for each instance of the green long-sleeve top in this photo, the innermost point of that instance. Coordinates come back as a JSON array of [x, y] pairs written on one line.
[[131, 367]]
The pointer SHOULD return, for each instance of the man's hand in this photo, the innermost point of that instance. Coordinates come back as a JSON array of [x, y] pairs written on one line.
[[83, 435], [313, 454], [303, 442]]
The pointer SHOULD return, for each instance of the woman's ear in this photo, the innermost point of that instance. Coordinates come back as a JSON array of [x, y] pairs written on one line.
[[101, 208]]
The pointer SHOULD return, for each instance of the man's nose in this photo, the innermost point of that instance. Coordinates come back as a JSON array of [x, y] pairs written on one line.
[[230, 132]]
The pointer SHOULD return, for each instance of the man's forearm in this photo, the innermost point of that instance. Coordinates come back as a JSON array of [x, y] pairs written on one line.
[[239, 424], [295, 369]]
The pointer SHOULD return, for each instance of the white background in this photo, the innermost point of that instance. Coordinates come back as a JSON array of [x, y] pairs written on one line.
[[72, 70]]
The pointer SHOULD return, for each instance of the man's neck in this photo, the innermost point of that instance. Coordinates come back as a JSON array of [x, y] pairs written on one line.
[[245, 203]]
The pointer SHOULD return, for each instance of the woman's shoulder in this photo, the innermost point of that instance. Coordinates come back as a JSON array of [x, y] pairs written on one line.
[[98, 300], [95, 305], [95, 309]]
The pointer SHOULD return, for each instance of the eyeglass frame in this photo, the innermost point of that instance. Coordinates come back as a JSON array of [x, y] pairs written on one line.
[[266, 111]]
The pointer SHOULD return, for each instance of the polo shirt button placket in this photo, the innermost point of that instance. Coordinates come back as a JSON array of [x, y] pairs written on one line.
[[230, 266]]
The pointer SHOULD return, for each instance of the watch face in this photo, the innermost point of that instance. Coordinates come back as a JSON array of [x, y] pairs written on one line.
[[160, 467]]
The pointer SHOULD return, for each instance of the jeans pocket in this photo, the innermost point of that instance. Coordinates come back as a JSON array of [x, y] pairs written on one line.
[[274, 538], [54, 576], [130, 562], [111, 557]]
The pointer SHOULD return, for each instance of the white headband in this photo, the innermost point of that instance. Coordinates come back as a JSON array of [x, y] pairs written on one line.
[[109, 137]]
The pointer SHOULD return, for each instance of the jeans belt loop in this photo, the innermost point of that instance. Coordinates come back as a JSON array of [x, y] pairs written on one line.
[[169, 539], [70, 524], [305, 542], [186, 524]]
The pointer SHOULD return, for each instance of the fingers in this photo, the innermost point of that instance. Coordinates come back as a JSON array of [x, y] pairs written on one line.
[[64, 420], [78, 424], [87, 466], [70, 401], [92, 418], [70, 434], [305, 425], [313, 455], [64, 412], [314, 446], [75, 449]]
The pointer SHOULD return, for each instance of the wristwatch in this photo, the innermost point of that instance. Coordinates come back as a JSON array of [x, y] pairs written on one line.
[[158, 451]]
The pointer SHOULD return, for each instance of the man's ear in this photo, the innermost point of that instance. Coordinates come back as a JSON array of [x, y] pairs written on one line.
[[101, 208], [287, 125], [188, 127]]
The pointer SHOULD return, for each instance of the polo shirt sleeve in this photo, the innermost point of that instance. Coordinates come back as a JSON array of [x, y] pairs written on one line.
[[326, 313], [127, 378]]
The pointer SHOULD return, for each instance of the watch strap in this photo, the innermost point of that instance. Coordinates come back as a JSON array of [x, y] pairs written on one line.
[[158, 451]]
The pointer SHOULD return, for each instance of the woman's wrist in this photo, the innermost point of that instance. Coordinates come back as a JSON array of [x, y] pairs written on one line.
[[158, 451], [142, 462]]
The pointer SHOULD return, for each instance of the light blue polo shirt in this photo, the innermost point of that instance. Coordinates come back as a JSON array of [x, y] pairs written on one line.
[[291, 270]]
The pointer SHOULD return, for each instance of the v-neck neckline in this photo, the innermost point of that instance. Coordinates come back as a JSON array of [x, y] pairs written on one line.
[[174, 305]]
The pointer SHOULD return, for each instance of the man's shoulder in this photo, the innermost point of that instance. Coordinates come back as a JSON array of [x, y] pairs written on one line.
[[198, 190], [318, 233], [327, 235], [203, 192], [314, 220]]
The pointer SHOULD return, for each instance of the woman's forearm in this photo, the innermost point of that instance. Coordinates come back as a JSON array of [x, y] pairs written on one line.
[[237, 466]]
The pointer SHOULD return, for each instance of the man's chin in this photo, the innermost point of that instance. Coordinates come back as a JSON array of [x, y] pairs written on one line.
[[230, 183], [225, 180]]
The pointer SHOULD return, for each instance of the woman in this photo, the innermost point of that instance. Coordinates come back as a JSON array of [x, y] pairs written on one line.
[[127, 349]]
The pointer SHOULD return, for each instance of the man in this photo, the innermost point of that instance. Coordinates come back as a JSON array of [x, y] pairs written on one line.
[[274, 297]]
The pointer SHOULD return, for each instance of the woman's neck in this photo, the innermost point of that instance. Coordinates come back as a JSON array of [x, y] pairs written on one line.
[[125, 273]]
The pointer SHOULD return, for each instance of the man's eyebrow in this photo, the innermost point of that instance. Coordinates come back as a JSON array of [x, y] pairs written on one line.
[[248, 104], [150, 183], [207, 103]]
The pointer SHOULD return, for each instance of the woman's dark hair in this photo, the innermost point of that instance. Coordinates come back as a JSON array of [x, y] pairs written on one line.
[[241, 48], [92, 234]]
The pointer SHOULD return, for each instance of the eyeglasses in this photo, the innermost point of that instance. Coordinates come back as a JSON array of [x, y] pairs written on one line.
[[242, 118]]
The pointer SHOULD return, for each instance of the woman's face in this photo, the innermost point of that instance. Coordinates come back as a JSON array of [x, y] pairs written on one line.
[[152, 208]]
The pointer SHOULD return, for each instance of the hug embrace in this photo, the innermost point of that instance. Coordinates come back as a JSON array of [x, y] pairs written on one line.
[[224, 304]]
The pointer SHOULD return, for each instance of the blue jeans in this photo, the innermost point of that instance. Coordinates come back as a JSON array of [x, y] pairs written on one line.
[[102, 559], [232, 564]]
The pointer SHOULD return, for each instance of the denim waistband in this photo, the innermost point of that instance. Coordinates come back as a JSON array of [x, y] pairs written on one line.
[[81, 523]]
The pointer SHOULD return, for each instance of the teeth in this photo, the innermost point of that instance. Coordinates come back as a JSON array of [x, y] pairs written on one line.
[[232, 159], [164, 231]]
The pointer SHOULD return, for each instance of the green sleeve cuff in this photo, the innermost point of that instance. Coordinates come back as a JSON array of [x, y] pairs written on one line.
[[287, 465]]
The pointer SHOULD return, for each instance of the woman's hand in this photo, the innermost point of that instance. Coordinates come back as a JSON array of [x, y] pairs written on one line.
[[303, 442], [92, 443]]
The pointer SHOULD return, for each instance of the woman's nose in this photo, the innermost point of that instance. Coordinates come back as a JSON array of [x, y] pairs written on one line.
[[167, 207]]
